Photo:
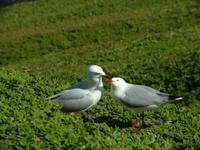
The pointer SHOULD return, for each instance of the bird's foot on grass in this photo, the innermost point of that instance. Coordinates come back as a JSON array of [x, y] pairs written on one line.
[[136, 122], [139, 126], [139, 123]]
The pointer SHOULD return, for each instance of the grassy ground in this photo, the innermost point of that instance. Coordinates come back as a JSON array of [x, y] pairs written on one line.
[[46, 46]]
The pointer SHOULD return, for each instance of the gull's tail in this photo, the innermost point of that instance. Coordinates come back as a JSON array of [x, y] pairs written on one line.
[[53, 97], [175, 98]]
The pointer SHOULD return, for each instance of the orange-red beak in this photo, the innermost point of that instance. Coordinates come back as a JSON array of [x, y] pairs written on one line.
[[108, 78]]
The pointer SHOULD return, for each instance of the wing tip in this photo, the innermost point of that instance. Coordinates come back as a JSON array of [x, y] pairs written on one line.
[[178, 98], [52, 97], [175, 98]]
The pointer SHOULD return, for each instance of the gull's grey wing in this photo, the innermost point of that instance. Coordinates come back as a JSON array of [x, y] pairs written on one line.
[[155, 91], [140, 96], [149, 88], [71, 94], [81, 85], [74, 100]]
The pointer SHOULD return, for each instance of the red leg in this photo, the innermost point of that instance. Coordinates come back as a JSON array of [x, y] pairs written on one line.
[[137, 120]]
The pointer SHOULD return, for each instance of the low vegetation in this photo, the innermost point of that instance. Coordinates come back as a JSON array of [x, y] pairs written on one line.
[[46, 47]]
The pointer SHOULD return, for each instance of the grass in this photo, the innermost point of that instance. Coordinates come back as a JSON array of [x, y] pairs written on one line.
[[46, 46]]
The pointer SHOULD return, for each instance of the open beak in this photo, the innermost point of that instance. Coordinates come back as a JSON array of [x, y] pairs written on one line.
[[108, 78]]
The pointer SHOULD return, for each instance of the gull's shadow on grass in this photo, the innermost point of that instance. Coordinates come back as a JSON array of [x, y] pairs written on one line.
[[117, 122], [112, 122]]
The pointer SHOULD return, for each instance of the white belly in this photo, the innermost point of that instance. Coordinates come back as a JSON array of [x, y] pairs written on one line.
[[96, 96]]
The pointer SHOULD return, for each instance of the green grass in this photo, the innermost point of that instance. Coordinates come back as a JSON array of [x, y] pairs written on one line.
[[46, 46]]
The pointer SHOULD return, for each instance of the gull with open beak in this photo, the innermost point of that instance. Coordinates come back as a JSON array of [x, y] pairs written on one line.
[[83, 95], [138, 97]]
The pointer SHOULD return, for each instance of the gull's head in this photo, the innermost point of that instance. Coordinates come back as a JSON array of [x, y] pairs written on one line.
[[117, 82], [95, 70], [94, 75]]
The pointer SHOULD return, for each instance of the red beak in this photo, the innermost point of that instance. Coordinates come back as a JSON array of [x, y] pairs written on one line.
[[108, 78]]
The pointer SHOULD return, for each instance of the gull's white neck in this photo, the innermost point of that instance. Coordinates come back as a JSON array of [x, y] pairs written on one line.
[[94, 82], [119, 91]]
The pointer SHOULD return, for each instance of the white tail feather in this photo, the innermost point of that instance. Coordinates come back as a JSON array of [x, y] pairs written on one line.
[[52, 97], [178, 99]]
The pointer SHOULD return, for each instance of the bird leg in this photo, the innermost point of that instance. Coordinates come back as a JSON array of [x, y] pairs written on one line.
[[137, 120], [142, 115]]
